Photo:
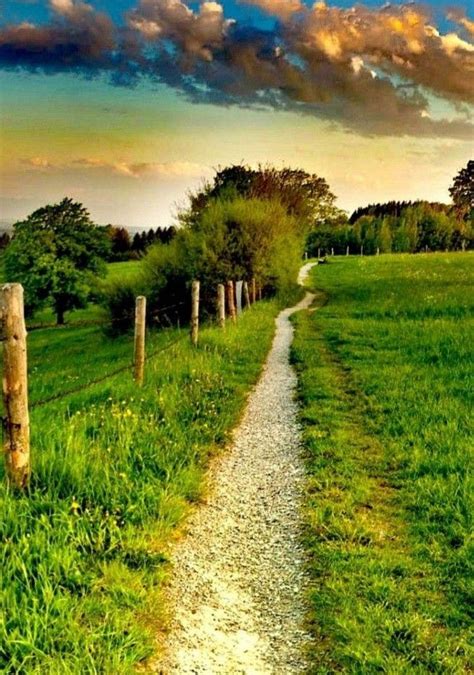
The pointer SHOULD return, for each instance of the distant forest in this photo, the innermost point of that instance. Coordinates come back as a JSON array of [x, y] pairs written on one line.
[[124, 246]]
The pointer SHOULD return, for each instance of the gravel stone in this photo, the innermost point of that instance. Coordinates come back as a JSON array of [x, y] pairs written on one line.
[[237, 587]]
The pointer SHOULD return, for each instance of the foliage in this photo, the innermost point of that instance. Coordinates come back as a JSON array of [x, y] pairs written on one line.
[[395, 208], [383, 368], [401, 227], [84, 554], [237, 239], [462, 192], [246, 223], [304, 196], [54, 253], [123, 247]]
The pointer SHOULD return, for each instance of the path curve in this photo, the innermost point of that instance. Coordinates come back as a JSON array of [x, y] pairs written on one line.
[[237, 588]]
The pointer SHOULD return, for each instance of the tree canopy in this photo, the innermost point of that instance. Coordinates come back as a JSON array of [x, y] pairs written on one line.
[[462, 191], [305, 196], [54, 253]]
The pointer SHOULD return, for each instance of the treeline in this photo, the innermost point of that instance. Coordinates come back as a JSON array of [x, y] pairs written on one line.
[[399, 227], [125, 247], [402, 226], [395, 209]]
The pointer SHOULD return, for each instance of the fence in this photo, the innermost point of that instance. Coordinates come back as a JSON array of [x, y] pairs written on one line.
[[16, 423]]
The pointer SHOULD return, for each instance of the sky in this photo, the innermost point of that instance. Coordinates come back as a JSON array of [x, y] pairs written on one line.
[[126, 105]]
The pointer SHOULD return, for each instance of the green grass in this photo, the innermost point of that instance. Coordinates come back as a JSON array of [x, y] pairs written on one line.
[[385, 382], [115, 469]]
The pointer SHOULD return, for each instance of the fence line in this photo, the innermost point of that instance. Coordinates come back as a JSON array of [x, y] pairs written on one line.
[[103, 378], [13, 337]]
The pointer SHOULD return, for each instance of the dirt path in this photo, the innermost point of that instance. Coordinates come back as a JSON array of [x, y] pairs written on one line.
[[237, 592]]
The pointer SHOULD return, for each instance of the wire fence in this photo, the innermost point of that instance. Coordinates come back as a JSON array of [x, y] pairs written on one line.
[[99, 380], [15, 371]]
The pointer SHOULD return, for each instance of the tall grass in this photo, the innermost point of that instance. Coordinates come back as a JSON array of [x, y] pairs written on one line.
[[115, 469], [385, 380]]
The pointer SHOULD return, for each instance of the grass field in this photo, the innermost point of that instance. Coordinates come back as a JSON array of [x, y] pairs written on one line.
[[115, 469], [385, 382]]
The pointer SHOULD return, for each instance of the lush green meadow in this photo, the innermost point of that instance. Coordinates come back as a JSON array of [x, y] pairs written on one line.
[[115, 469], [385, 382]]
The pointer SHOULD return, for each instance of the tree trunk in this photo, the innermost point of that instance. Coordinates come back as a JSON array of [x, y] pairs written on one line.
[[60, 317]]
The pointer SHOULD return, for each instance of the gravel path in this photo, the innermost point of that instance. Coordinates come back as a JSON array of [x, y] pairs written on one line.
[[237, 589]]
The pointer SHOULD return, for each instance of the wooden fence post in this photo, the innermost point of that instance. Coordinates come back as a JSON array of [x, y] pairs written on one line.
[[332, 251], [221, 305], [140, 330], [378, 250], [195, 313], [239, 285], [15, 386], [319, 253], [254, 291], [231, 301], [362, 250], [246, 295], [259, 291], [347, 250]]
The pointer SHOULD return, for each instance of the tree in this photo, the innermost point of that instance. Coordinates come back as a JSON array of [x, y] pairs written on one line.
[[120, 243], [54, 253], [305, 196], [462, 192]]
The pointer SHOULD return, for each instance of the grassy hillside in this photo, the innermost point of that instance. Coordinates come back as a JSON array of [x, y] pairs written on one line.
[[115, 469], [385, 382]]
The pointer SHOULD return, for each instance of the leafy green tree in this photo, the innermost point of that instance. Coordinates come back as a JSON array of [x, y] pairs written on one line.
[[303, 195], [55, 253], [383, 239], [462, 192]]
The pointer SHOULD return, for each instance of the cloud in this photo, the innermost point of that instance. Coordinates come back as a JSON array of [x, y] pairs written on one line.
[[76, 37], [373, 71], [129, 169]]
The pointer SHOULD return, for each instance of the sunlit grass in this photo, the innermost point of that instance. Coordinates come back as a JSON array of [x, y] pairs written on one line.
[[385, 380]]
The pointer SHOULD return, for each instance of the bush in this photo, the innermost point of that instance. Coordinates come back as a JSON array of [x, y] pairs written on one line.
[[119, 299]]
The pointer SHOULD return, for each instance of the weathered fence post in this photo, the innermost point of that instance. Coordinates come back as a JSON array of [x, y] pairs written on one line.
[[463, 245], [332, 251], [254, 291], [362, 250], [378, 250], [231, 301], [15, 386], [221, 305], [319, 253], [238, 296], [347, 250], [140, 329], [246, 295], [195, 312]]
